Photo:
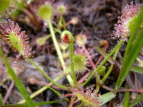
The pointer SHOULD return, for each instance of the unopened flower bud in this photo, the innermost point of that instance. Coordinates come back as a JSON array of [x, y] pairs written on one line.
[[67, 37], [74, 20], [81, 39], [61, 9], [45, 11]]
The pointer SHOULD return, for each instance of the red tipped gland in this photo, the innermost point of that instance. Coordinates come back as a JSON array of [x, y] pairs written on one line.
[[67, 37], [11, 33]]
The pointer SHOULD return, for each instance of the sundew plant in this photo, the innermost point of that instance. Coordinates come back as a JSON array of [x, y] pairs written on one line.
[[46, 61]]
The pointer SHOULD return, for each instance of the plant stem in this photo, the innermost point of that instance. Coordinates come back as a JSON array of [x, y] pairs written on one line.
[[104, 61], [42, 89], [56, 92], [45, 74], [107, 74], [18, 83], [97, 81], [71, 82], [72, 62], [61, 23], [56, 44], [111, 67]]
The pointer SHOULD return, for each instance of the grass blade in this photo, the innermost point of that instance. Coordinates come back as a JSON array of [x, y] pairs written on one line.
[[126, 98], [18, 83], [106, 97]]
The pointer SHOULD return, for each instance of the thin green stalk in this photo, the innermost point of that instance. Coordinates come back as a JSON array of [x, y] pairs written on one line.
[[110, 68], [57, 93], [97, 81], [71, 82], [103, 62], [57, 31], [71, 62], [18, 83], [56, 44], [108, 73], [41, 89], [45, 74], [61, 23]]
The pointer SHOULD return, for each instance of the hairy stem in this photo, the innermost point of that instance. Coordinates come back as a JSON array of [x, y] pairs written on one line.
[[42, 89], [44, 73], [71, 62]]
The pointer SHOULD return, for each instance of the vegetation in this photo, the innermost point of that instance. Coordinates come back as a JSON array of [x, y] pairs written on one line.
[[85, 78]]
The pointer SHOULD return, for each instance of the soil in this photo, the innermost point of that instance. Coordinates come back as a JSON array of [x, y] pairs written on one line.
[[96, 21]]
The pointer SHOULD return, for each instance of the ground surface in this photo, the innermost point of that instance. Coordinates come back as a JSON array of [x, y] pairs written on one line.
[[96, 21]]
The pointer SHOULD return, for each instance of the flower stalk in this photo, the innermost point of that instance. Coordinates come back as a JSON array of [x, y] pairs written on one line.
[[59, 52], [46, 12], [68, 38], [72, 62], [104, 61], [36, 66]]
